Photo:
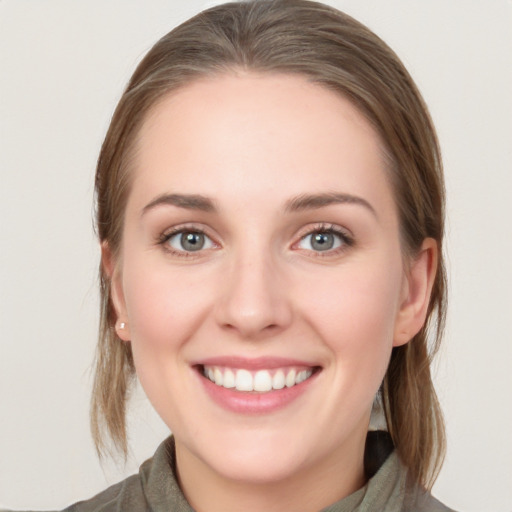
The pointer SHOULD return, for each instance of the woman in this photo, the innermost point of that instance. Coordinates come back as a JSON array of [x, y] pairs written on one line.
[[270, 209]]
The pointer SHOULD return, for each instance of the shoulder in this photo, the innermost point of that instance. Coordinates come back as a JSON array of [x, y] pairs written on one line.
[[125, 495], [419, 500], [154, 488], [391, 487], [137, 492]]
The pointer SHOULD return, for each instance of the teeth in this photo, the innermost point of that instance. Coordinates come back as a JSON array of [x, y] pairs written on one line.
[[229, 379], [301, 377], [278, 381], [290, 378], [261, 381], [243, 380], [218, 377]]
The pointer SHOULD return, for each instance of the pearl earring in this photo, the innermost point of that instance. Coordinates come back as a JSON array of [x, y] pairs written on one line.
[[122, 325]]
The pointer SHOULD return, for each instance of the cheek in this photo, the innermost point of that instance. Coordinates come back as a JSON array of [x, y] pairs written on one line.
[[164, 305], [355, 312]]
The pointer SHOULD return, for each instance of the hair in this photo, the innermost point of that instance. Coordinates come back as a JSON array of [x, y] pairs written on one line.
[[331, 49]]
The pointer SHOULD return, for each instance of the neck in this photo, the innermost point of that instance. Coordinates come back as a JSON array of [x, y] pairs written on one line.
[[308, 490]]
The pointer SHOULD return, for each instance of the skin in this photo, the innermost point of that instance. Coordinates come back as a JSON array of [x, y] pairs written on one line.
[[251, 144]]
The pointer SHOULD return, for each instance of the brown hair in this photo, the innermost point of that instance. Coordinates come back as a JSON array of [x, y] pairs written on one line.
[[331, 49]]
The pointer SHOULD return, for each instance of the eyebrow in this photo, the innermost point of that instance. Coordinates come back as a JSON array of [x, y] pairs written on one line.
[[187, 201], [299, 203], [314, 201]]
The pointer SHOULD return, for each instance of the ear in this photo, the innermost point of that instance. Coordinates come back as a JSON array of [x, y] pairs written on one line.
[[416, 291], [111, 270]]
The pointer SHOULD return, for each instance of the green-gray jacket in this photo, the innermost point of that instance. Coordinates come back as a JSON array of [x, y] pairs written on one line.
[[155, 489]]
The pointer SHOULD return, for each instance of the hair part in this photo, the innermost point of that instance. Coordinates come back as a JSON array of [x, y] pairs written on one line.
[[335, 51]]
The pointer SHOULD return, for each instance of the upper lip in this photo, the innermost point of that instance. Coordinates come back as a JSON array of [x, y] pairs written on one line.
[[258, 363]]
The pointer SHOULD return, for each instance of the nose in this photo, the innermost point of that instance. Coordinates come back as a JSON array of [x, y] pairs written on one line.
[[254, 302]]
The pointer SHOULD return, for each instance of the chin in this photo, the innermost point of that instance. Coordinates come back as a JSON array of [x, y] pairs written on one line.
[[259, 466], [257, 456]]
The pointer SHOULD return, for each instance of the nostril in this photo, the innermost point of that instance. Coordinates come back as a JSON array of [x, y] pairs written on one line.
[[254, 330]]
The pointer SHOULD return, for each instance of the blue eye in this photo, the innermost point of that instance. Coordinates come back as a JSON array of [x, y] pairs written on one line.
[[189, 241], [321, 241]]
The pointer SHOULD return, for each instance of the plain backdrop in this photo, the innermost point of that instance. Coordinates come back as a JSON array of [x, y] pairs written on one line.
[[63, 65]]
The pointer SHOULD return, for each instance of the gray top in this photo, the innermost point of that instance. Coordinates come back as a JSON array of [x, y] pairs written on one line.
[[155, 489]]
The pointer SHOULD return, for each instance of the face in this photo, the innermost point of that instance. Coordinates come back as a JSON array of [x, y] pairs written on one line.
[[261, 276]]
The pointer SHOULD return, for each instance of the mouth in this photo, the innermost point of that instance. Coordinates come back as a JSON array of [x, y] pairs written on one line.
[[257, 381], [253, 386]]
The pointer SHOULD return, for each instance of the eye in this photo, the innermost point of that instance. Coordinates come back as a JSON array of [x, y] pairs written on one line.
[[323, 240], [188, 241]]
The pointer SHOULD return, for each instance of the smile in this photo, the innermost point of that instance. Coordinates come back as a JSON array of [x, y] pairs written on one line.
[[261, 381]]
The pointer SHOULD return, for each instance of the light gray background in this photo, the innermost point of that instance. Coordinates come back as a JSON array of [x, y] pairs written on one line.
[[63, 65]]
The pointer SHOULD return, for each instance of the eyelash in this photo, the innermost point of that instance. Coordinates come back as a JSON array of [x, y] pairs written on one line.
[[164, 238], [346, 240]]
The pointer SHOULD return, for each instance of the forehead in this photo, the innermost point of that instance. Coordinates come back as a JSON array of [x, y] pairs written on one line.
[[269, 132]]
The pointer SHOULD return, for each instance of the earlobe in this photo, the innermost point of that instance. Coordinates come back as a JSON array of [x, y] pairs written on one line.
[[122, 331], [111, 270], [417, 288]]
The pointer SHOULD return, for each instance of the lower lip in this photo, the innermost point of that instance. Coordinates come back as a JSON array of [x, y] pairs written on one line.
[[244, 402]]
